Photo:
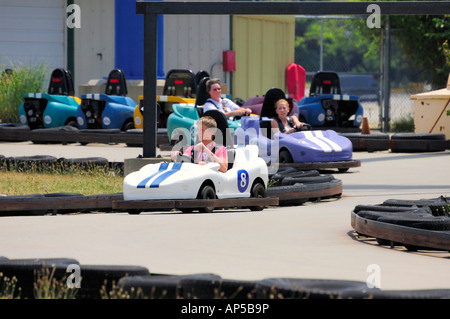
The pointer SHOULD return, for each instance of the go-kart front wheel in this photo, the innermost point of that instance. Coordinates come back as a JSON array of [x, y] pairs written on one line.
[[285, 157], [206, 192]]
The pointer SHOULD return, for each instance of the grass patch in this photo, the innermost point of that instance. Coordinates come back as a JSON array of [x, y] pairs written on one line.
[[54, 176], [18, 183]]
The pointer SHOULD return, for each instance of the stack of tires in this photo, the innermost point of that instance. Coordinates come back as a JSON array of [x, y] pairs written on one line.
[[295, 187], [420, 221]]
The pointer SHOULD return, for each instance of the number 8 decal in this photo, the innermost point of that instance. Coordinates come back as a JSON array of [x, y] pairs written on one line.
[[243, 180]]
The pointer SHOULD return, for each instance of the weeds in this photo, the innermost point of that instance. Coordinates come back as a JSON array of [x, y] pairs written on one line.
[[117, 292], [8, 288], [46, 286], [403, 125], [14, 84]]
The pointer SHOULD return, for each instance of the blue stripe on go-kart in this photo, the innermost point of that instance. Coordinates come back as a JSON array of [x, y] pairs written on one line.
[[175, 168], [162, 168]]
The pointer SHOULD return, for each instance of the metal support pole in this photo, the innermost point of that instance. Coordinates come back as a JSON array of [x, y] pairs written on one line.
[[321, 45], [386, 76], [150, 84]]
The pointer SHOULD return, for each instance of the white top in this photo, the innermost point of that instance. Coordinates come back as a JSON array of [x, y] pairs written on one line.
[[225, 105]]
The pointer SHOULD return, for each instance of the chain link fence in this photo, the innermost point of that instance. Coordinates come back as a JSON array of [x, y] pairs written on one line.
[[334, 44]]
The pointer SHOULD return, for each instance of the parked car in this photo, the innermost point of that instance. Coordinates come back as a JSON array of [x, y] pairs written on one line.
[[326, 106], [112, 110], [362, 85], [58, 107]]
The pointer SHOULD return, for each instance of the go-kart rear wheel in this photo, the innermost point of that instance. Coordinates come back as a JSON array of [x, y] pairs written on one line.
[[129, 125], [207, 192], [258, 191], [285, 157]]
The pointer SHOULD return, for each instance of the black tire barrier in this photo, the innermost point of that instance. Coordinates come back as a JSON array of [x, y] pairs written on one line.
[[152, 286], [25, 271], [412, 294], [435, 223], [439, 206], [411, 142], [116, 281], [368, 142], [36, 163], [196, 286], [51, 135], [14, 132], [292, 288], [381, 208], [137, 131], [98, 278], [86, 163], [422, 224], [299, 194], [398, 142], [42, 163], [376, 215], [214, 287], [292, 180], [277, 179]]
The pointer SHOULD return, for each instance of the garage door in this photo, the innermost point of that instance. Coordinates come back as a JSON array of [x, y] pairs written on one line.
[[32, 32]]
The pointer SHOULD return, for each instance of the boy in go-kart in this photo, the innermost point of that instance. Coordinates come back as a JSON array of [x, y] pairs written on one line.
[[206, 150]]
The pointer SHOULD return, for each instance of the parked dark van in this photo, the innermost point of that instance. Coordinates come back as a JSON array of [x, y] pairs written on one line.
[[365, 86]]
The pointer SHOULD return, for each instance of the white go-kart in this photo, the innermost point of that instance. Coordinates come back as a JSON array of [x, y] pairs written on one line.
[[246, 177]]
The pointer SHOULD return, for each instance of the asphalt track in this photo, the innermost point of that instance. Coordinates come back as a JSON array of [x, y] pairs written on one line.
[[314, 240]]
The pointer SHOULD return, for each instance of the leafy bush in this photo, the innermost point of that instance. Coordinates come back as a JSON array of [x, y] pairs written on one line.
[[14, 83], [403, 125]]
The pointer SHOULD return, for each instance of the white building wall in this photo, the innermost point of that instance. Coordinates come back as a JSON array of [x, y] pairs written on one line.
[[196, 42], [32, 32], [94, 41]]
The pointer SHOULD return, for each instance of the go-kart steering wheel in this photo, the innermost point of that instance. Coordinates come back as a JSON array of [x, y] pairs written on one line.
[[304, 127], [238, 117], [184, 158]]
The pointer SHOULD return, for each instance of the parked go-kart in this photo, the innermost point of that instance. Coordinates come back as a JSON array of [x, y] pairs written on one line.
[[304, 146], [112, 110], [327, 107], [180, 86], [56, 108]]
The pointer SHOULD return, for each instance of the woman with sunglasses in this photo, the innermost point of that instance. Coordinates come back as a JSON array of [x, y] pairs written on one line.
[[224, 105]]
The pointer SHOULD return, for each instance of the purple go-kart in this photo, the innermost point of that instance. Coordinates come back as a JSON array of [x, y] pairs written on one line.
[[304, 149]]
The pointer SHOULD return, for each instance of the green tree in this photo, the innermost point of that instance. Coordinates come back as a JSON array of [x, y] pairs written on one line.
[[423, 41], [345, 48]]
